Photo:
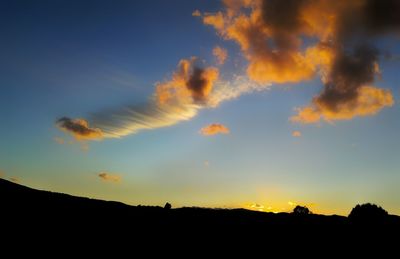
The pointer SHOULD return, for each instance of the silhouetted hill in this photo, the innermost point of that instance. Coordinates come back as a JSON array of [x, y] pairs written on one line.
[[25, 208]]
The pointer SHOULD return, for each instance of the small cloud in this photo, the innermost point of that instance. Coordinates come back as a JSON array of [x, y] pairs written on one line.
[[14, 179], [296, 134], [256, 206], [108, 177], [59, 140], [292, 203], [79, 128], [221, 54], [196, 13], [214, 129], [206, 163]]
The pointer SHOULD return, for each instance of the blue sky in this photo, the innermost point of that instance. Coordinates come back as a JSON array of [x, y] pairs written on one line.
[[73, 58]]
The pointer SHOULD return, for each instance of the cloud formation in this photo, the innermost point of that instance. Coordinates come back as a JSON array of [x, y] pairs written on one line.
[[79, 128], [196, 13], [191, 83], [108, 177], [59, 140], [257, 207], [220, 54], [347, 92], [213, 129], [192, 87], [296, 134], [278, 38]]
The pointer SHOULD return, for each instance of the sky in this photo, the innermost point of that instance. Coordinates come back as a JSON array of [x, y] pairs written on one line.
[[238, 103]]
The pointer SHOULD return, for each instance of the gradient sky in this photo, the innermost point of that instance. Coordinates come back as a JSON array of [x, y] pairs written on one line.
[[77, 58]]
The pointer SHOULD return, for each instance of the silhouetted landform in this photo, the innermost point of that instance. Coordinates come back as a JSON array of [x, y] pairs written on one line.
[[26, 208]]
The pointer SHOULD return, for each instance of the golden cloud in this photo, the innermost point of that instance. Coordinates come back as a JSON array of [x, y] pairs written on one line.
[[196, 13], [213, 129], [59, 140], [79, 128], [296, 133], [271, 35], [369, 101], [108, 177], [189, 84], [220, 54]]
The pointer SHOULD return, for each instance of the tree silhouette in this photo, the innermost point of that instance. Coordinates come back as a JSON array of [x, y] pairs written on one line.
[[301, 210], [368, 213], [167, 206]]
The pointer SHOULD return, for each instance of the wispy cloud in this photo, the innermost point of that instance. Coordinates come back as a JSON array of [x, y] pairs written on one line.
[[257, 207], [214, 129], [220, 54], [191, 88], [59, 140], [109, 177], [296, 134], [196, 13]]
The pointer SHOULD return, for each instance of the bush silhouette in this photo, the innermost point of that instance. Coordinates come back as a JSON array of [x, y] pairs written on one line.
[[301, 210], [368, 213], [167, 206]]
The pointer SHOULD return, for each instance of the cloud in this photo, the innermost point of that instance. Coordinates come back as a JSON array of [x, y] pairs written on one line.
[[214, 129], [347, 93], [191, 83], [368, 101], [256, 206], [221, 54], [296, 134], [108, 177], [79, 128], [296, 40], [192, 87], [59, 140], [196, 13]]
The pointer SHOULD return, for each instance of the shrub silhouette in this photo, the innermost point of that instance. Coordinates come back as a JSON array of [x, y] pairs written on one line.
[[301, 210], [368, 213], [167, 206]]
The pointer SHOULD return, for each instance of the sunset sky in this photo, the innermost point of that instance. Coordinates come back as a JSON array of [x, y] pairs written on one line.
[[260, 104]]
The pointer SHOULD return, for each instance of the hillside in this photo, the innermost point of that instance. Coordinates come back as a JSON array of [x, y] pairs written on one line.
[[30, 208]]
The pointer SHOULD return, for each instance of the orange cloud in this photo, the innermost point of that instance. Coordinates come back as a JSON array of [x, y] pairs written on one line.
[[221, 54], [369, 101], [217, 20], [257, 207], [196, 13], [189, 84], [59, 140], [271, 35], [108, 177], [214, 129], [79, 128], [296, 133]]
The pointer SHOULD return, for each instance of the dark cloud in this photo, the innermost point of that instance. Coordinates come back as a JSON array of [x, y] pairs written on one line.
[[283, 16], [382, 16], [197, 84], [295, 40], [348, 73], [79, 128]]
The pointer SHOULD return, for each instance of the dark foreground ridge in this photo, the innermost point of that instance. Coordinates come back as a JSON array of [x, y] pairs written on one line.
[[24, 208]]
